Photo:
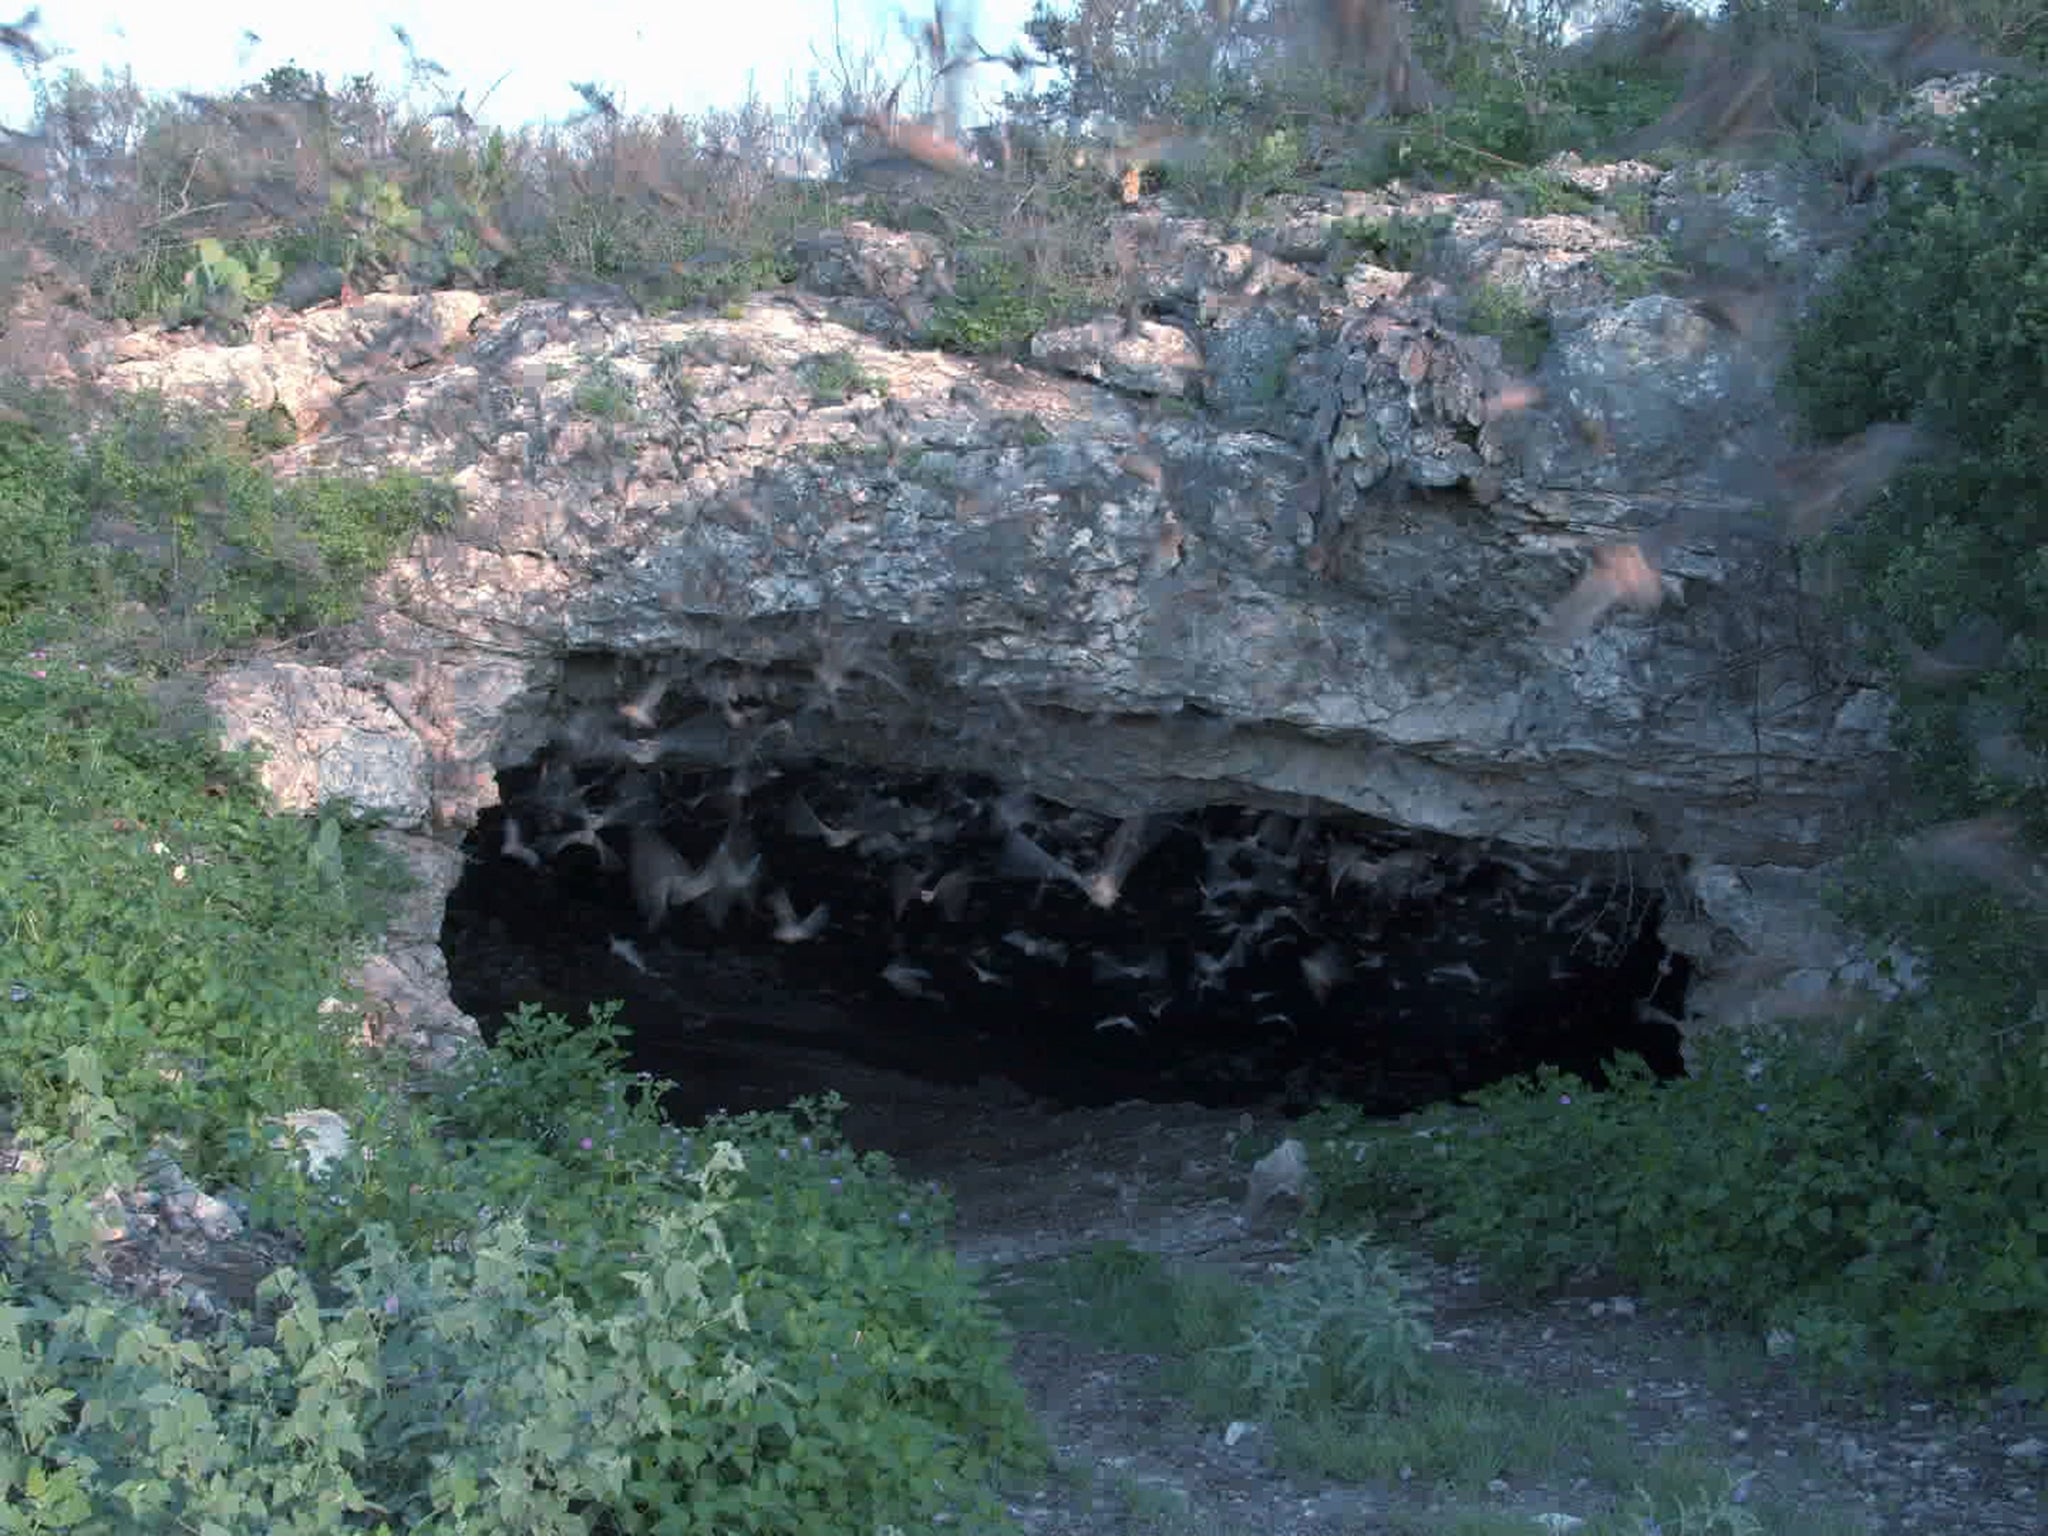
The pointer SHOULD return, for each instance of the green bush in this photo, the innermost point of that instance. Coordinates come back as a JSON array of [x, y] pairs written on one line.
[[41, 522], [1876, 1192], [835, 376], [880, 1386], [1513, 317], [1942, 317], [1344, 1331], [217, 283], [605, 393], [150, 909], [1243, 163], [996, 305], [1130, 1300], [529, 1304], [463, 1391], [714, 278], [159, 510], [1883, 1220], [1400, 243], [1512, 107]]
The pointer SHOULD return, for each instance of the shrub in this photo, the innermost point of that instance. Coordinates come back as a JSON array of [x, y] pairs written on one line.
[[604, 393], [1242, 165], [882, 1386], [737, 1341], [836, 376], [219, 286], [160, 536], [1343, 1331], [1942, 316], [1874, 1192], [149, 909], [1514, 318], [1131, 1300], [1399, 243], [1886, 1222], [533, 1304], [441, 1393], [996, 305]]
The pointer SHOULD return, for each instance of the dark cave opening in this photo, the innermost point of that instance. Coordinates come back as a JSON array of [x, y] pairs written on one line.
[[959, 931]]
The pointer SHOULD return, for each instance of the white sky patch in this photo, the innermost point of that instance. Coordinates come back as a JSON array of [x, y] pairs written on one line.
[[652, 56]]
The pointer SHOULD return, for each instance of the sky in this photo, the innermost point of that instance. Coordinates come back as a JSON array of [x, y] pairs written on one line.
[[652, 54]]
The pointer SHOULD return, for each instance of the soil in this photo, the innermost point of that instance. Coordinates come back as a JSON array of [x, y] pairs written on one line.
[[1032, 1184]]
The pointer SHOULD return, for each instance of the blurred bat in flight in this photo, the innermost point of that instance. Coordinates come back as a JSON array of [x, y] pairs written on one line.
[[1915, 51], [1822, 487], [1104, 885], [1624, 574], [1828, 486], [914, 141], [1990, 848], [19, 38]]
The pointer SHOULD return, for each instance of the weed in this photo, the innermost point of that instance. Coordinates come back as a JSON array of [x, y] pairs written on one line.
[[1702, 1515], [156, 914], [1342, 1330], [755, 1333], [222, 285], [1642, 268], [1243, 168], [1128, 1299], [270, 429], [997, 305], [1631, 204], [1541, 192], [604, 393], [1400, 243], [836, 376], [672, 373], [1507, 313], [157, 537], [1808, 1188]]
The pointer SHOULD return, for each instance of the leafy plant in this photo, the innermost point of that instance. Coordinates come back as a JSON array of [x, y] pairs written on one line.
[[1245, 163], [158, 534], [834, 376], [1640, 269], [380, 229], [1831, 1189], [1939, 318], [223, 285], [1344, 1329], [1493, 309], [719, 278], [995, 306], [604, 393], [1401, 243], [149, 910], [1131, 1300], [1536, 193], [763, 1335], [894, 1390], [270, 429]]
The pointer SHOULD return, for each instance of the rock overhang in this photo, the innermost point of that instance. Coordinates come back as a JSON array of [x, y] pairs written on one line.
[[1327, 602]]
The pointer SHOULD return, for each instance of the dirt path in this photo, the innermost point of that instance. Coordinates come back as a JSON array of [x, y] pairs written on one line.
[[1033, 1186]]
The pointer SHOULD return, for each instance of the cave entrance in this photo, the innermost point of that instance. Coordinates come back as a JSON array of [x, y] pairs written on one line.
[[759, 924]]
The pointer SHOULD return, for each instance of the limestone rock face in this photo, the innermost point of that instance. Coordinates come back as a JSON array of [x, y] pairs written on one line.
[[1285, 532], [302, 362]]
